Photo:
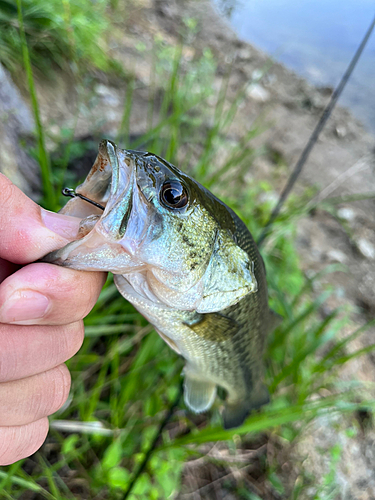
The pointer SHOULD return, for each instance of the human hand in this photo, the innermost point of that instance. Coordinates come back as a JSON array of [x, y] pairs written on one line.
[[41, 311]]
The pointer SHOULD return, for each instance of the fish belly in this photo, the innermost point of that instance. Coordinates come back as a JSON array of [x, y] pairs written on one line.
[[233, 364]]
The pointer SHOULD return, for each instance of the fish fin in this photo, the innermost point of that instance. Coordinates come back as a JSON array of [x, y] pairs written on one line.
[[170, 342], [199, 395], [234, 414], [215, 327], [274, 320]]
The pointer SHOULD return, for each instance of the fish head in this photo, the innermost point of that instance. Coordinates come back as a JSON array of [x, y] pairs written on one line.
[[160, 223]]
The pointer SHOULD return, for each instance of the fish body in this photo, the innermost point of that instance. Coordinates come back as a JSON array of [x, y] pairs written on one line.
[[187, 263]]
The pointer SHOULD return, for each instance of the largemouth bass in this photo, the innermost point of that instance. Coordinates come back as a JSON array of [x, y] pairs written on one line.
[[187, 263]]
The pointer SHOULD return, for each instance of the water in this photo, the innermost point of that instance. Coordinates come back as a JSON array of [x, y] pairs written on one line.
[[315, 38]]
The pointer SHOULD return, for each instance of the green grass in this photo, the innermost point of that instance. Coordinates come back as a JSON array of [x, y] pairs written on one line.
[[58, 32], [125, 377], [43, 157]]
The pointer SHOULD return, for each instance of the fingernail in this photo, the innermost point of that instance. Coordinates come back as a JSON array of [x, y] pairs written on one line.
[[64, 225], [24, 307]]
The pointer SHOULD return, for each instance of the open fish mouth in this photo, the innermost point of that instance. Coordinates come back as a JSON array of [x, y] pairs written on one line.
[[109, 184], [97, 185]]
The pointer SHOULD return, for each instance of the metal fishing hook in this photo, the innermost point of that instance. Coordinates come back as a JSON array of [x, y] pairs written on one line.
[[70, 192]]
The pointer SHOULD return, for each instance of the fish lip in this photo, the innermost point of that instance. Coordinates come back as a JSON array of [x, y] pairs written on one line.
[[115, 217], [108, 150], [114, 171], [119, 203], [84, 256], [107, 175]]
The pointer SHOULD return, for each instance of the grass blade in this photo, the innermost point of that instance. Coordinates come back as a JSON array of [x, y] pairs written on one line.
[[43, 157]]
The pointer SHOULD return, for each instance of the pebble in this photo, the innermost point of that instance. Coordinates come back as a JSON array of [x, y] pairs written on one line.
[[257, 74], [109, 96], [55, 130], [366, 248], [258, 93], [346, 213], [269, 196], [336, 256], [245, 54], [341, 131]]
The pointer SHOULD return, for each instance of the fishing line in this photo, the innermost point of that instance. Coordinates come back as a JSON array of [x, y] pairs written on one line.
[[285, 193], [315, 135]]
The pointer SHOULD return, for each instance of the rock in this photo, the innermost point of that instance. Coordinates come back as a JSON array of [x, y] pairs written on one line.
[[336, 256], [257, 74], [269, 197], [341, 131], [16, 124], [108, 95], [245, 54], [12, 106], [258, 93], [366, 248], [346, 213]]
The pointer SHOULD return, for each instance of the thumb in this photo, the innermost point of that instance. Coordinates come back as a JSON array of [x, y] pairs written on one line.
[[27, 231]]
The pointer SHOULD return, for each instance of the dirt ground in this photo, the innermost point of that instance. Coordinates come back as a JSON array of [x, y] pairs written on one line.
[[342, 163]]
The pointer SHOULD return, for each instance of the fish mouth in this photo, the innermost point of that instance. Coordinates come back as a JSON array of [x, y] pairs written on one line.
[[109, 184], [98, 184]]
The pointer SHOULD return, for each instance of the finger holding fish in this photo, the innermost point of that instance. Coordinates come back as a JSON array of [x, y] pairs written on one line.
[[44, 294], [29, 350], [34, 382], [32, 398], [27, 231]]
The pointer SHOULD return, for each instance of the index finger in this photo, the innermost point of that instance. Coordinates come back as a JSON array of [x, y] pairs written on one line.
[[28, 232]]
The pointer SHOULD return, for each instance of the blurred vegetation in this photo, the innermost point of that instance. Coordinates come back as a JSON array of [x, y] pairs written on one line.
[[58, 33], [125, 377]]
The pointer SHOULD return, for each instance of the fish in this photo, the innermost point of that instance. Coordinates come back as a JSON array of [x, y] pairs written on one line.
[[187, 263]]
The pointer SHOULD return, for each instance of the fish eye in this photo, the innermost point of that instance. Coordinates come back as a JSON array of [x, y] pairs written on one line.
[[174, 195]]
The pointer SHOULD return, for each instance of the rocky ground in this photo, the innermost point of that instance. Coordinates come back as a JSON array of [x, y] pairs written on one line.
[[341, 164]]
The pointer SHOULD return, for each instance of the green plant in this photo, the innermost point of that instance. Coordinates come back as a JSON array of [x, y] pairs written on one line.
[[57, 32]]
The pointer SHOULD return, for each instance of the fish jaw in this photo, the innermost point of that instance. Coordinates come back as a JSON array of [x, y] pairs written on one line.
[[97, 186], [94, 253], [98, 248]]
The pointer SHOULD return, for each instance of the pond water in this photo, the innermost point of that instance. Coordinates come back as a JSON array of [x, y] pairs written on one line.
[[315, 38]]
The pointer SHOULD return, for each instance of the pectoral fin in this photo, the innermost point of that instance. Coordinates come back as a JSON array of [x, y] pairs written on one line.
[[170, 342], [235, 413], [199, 395], [214, 327]]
